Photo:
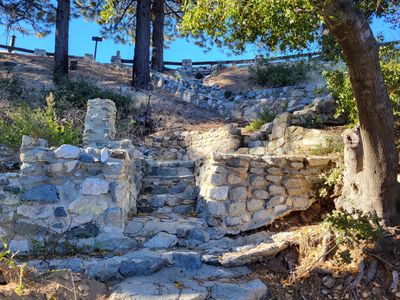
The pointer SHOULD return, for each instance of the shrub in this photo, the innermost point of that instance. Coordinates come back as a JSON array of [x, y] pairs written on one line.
[[353, 229], [338, 83], [330, 182], [38, 123], [264, 117], [331, 146], [75, 94], [278, 75]]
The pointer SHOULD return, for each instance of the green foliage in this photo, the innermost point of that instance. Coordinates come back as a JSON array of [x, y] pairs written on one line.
[[352, 229], [274, 24], [278, 74], [329, 181], [331, 146], [271, 24], [338, 83], [76, 93], [264, 117], [11, 270], [38, 123]]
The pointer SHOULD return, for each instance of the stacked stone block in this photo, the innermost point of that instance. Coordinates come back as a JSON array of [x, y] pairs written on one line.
[[246, 105], [83, 194], [243, 192], [100, 122]]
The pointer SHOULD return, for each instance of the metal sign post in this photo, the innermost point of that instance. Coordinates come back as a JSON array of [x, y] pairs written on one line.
[[96, 39]]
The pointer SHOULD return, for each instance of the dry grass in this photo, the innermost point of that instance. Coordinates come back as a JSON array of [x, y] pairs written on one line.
[[301, 273], [235, 79]]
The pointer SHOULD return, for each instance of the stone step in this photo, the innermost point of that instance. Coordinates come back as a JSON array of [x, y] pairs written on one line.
[[165, 231], [256, 248], [163, 203], [170, 168], [143, 262], [167, 184], [205, 283]]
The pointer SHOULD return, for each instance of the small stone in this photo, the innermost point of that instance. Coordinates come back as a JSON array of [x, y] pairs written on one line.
[[60, 212], [67, 151], [255, 204], [43, 193], [161, 241], [21, 246], [94, 186], [238, 193], [261, 194], [93, 205], [86, 158], [71, 165], [219, 193], [216, 208], [262, 215], [237, 208], [83, 289], [233, 221], [328, 281], [104, 155], [276, 190], [187, 259]]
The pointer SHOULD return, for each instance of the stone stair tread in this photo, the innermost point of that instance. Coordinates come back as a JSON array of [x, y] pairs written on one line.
[[173, 177], [148, 225], [204, 283], [252, 253], [182, 195], [172, 163]]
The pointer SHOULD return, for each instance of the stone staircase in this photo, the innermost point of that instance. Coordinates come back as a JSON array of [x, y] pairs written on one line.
[[168, 187]]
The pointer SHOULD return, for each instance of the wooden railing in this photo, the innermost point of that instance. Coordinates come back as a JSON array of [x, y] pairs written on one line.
[[203, 63]]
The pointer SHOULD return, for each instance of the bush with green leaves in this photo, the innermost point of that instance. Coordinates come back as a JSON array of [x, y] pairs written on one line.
[[38, 123], [330, 182], [75, 94], [338, 83], [353, 228], [278, 74], [266, 116]]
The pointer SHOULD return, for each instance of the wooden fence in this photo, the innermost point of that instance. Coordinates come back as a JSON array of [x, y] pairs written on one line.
[[203, 63]]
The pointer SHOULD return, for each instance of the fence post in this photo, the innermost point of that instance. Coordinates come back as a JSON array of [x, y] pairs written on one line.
[[12, 43]]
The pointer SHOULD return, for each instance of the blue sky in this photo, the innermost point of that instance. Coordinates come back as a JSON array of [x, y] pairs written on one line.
[[81, 32]]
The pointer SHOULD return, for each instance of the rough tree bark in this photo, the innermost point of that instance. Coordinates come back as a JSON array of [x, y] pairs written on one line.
[[141, 66], [157, 58], [377, 187], [61, 43]]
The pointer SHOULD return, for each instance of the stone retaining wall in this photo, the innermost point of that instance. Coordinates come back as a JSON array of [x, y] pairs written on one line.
[[247, 105], [82, 192], [243, 192], [225, 139]]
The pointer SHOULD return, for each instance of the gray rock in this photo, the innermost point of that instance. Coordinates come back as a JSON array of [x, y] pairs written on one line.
[[83, 231], [20, 246], [86, 158], [47, 193], [161, 241], [67, 151], [60, 212], [141, 266], [188, 260], [242, 290], [219, 193], [94, 186]]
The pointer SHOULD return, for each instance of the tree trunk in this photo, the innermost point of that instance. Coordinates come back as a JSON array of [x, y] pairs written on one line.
[[61, 43], [157, 59], [379, 186], [141, 67]]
